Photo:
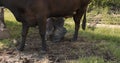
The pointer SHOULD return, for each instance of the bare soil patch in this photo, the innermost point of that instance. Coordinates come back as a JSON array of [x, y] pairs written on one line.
[[57, 53]]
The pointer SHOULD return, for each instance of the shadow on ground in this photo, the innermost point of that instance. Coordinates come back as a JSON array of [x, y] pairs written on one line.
[[61, 52]]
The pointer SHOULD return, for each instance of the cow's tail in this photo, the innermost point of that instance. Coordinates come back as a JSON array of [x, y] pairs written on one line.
[[84, 21]]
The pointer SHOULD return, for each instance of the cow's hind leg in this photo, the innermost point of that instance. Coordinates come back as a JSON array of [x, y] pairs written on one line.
[[24, 34], [84, 21], [42, 31], [77, 17]]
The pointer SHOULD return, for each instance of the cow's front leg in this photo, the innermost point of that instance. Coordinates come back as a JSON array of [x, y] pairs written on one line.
[[42, 31], [25, 28]]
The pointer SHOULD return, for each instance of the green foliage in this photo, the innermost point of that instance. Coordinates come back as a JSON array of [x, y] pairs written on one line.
[[104, 3], [112, 5]]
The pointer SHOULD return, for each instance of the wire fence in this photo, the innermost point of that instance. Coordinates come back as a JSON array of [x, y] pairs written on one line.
[[105, 19]]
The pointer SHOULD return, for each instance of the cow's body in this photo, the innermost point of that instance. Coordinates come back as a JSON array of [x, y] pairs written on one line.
[[35, 12]]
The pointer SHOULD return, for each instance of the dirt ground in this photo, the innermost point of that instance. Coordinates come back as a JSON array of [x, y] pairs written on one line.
[[61, 52]]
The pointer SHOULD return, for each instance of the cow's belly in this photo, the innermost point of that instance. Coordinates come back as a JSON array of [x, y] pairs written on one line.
[[62, 13]]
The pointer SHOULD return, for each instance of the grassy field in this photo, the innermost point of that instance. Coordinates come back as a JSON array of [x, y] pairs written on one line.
[[105, 40], [108, 39], [104, 16]]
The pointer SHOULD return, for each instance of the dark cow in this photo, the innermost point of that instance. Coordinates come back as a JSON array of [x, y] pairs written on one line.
[[35, 12]]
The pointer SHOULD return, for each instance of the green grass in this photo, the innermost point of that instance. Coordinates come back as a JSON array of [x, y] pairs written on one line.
[[89, 60], [108, 39], [12, 24], [14, 28]]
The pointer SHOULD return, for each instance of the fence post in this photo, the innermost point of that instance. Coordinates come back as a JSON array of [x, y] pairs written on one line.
[[4, 33]]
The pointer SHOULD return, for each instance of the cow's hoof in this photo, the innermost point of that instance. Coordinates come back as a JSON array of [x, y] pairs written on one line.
[[56, 41], [45, 48], [43, 52], [73, 40], [20, 48]]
